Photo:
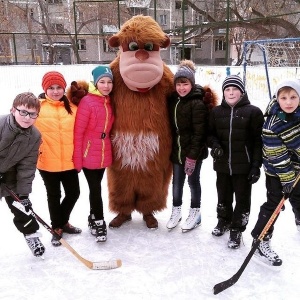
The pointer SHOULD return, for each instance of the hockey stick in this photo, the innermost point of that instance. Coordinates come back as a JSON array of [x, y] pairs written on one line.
[[102, 265], [220, 287]]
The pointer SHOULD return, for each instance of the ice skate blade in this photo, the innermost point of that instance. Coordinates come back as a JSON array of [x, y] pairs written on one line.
[[187, 230], [266, 264], [40, 257]]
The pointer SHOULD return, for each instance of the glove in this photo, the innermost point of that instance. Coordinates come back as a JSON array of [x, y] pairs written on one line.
[[287, 189], [254, 175], [25, 202], [189, 166], [216, 152], [77, 93], [2, 178]]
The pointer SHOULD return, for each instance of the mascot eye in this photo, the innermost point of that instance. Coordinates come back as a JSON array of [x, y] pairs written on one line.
[[149, 46], [133, 46]]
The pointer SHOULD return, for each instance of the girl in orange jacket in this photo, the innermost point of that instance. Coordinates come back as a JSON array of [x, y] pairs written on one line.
[[55, 164]]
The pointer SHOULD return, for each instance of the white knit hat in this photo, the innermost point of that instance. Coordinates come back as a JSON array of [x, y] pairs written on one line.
[[293, 83]]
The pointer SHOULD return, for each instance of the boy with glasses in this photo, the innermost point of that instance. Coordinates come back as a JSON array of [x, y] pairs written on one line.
[[19, 145]]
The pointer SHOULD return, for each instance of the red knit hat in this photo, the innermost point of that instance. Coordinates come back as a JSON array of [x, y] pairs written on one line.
[[51, 78]]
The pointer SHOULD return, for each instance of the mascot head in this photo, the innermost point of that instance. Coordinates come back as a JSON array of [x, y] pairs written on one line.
[[139, 41]]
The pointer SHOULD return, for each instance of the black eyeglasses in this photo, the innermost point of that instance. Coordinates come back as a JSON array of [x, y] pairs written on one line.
[[24, 113]]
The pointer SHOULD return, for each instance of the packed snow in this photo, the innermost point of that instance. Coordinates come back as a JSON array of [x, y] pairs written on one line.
[[156, 264]]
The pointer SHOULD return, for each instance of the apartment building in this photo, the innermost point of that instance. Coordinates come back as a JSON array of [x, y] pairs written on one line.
[[71, 31]]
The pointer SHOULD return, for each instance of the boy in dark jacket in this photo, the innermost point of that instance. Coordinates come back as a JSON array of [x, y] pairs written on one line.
[[188, 107], [281, 160], [19, 145], [235, 138]]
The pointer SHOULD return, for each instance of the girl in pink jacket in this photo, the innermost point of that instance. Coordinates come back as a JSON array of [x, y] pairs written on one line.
[[92, 145]]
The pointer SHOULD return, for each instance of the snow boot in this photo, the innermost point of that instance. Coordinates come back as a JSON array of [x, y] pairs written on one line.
[[193, 220], [234, 239], [55, 241], [119, 220], [151, 221], [101, 230], [34, 243], [68, 228], [175, 217], [221, 228], [265, 254]]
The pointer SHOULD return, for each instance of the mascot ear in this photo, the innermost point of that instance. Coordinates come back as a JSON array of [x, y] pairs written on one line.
[[166, 42], [114, 41]]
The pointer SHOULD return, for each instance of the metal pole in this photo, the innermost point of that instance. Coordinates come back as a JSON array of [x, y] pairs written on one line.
[[227, 33], [183, 29]]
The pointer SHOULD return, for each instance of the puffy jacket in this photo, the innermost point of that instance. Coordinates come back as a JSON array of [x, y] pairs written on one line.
[[18, 155], [281, 143], [56, 126], [237, 130], [189, 124], [93, 123]]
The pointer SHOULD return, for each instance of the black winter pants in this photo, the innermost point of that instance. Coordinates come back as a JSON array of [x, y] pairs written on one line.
[[24, 223], [274, 195], [94, 178], [228, 185], [60, 210]]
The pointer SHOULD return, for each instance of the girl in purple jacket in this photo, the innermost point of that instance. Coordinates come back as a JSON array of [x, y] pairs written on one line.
[[92, 145]]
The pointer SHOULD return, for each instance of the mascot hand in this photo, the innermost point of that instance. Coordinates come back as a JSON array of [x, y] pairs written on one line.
[[77, 92]]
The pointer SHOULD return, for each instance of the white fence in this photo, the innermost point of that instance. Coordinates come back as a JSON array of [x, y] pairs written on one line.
[[18, 79]]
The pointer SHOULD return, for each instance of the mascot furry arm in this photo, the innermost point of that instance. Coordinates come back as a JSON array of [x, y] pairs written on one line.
[[140, 175]]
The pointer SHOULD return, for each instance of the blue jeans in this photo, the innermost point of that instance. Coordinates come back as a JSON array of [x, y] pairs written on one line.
[[193, 182]]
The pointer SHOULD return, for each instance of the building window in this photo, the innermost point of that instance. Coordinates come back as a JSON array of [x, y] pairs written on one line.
[[54, 1], [79, 16], [220, 45], [31, 44], [107, 48], [178, 5], [58, 28], [198, 19], [163, 19], [81, 45], [198, 44]]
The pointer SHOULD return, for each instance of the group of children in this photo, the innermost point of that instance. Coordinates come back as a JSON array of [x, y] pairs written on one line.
[[65, 140]]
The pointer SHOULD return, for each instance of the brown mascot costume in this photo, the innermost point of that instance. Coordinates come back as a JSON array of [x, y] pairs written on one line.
[[140, 175]]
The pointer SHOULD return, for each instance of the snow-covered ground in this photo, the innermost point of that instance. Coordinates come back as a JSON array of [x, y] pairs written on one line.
[[156, 264]]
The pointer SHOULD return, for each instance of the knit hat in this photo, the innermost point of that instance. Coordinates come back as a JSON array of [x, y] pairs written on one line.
[[293, 83], [233, 80], [51, 78], [185, 71], [100, 72]]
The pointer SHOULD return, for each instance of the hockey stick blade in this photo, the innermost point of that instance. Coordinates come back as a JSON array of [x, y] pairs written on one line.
[[101, 265], [220, 287]]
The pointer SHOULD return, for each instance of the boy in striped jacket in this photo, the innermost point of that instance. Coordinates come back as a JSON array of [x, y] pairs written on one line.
[[281, 161]]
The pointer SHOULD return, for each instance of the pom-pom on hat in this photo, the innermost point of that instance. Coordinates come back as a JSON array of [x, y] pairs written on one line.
[[293, 83], [233, 80], [186, 69], [51, 78], [100, 72]]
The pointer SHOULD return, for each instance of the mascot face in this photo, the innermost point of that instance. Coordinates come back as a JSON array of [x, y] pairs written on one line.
[[139, 42], [141, 66]]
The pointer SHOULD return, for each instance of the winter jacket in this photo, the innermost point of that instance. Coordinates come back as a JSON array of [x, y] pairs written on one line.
[[18, 155], [189, 124], [56, 126], [92, 131], [237, 130], [281, 143]]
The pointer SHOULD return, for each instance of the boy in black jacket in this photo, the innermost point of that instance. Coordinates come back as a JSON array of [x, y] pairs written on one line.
[[19, 145], [235, 138]]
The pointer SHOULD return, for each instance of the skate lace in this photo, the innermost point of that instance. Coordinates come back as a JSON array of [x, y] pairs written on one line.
[[192, 215], [175, 213], [266, 250]]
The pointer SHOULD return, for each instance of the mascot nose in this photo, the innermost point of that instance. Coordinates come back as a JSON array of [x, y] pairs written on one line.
[[141, 54]]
